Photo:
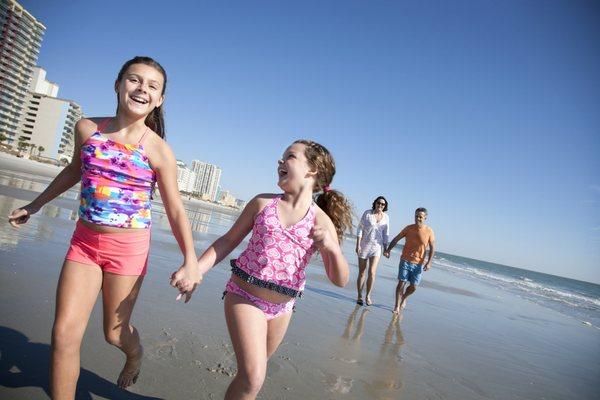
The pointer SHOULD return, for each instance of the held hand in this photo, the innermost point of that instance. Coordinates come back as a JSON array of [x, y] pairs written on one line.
[[20, 216], [185, 279], [427, 266], [357, 249], [386, 254]]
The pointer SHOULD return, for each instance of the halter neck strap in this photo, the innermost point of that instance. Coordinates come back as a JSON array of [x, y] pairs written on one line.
[[103, 124]]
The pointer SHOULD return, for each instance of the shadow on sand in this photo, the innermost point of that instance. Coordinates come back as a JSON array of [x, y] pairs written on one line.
[[26, 364]]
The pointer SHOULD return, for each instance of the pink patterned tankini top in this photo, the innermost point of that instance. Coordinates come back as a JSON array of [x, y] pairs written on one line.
[[276, 257], [116, 182]]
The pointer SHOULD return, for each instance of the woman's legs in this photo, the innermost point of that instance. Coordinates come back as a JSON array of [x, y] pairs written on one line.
[[373, 262], [119, 293], [78, 288], [360, 281], [254, 340]]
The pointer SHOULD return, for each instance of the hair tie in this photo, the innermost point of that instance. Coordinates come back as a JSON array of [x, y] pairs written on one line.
[[326, 188]]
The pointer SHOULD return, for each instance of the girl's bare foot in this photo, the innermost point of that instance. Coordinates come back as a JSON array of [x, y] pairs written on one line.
[[131, 369]]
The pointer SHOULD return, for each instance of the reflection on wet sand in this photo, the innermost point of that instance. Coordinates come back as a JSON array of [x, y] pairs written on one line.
[[43, 227], [359, 370], [348, 356], [202, 218], [387, 371]]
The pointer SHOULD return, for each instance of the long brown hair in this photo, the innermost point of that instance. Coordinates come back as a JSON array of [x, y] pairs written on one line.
[[155, 120], [332, 202]]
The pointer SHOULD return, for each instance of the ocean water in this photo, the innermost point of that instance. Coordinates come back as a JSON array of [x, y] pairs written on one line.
[[571, 297]]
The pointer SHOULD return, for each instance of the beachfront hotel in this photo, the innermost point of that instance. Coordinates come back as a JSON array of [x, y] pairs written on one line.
[[20, 42], [186, 178], [48, 122], [207, 179]]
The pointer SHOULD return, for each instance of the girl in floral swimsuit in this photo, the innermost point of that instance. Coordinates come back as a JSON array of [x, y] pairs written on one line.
[[118, 160], [267, 277]]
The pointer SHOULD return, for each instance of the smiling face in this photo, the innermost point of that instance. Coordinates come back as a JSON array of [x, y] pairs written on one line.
[[140, 90], [379, 204], [420, 217], [293, 170]]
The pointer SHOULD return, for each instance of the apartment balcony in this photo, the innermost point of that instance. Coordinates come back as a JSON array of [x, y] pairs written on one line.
[[10, 79], [12, 73]]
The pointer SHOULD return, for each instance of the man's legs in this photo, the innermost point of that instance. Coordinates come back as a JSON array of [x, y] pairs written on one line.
[[399, 295], [409, 290]]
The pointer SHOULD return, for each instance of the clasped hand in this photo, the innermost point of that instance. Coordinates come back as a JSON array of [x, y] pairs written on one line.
[[185, 279]]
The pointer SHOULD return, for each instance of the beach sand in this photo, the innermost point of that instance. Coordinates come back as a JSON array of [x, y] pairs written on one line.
[[457, 338]]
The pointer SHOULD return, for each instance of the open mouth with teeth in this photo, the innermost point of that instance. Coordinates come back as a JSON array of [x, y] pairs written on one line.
[[139, 100], [281, 172]]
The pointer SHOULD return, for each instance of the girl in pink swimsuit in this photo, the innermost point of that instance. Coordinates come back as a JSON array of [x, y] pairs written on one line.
[[119, 161], [271, 272]]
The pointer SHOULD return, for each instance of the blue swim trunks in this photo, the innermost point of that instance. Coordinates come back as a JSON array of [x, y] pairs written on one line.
[[410, 272]]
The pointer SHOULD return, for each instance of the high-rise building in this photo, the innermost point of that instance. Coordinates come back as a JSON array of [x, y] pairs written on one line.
[[207, 179], [186, 178], [40, 85], [20, 41], [48, 122]]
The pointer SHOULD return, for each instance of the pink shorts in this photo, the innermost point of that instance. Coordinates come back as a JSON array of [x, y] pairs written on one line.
[[118, 253]]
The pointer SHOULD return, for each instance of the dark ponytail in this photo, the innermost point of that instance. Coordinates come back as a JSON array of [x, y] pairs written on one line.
[[155, 120], [332, 202]]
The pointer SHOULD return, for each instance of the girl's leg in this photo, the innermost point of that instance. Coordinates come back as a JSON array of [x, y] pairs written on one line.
[[276, 329], [373, 261], [78, 288], [360, 281], [119, 293], [247, 327]]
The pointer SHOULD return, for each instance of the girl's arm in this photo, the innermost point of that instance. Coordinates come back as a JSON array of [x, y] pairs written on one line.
[[164, 164], [224, 245], [68, 177], [326, 241]]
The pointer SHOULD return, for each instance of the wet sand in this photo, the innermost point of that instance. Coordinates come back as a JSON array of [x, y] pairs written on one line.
[[457, 338]]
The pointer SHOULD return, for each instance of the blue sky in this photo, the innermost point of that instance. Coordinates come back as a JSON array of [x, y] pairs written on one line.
[[484, 112]]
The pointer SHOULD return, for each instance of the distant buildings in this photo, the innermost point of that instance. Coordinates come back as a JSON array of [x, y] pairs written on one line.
[[33, 118], [49, 122], [226, 198], [240, 203], [186, 178], [30, 112], [207, 179], [20, 42], [202, 180]]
